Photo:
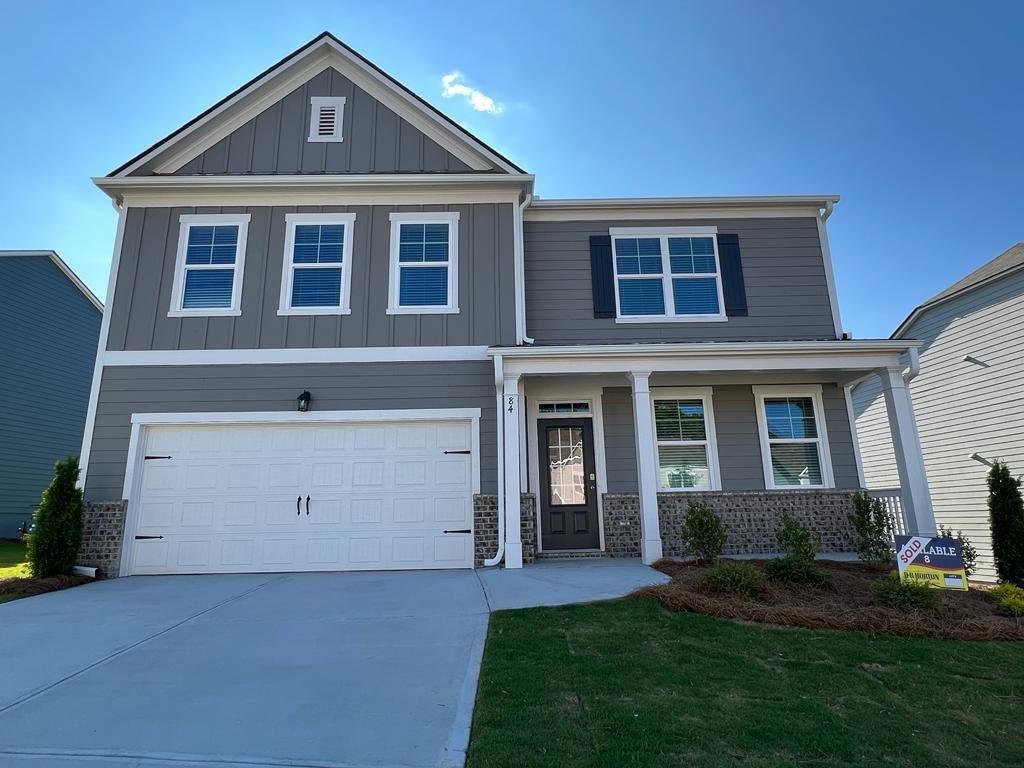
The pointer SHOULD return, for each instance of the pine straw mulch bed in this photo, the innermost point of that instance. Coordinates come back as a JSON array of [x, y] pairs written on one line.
[[844, 605], [18, 586]]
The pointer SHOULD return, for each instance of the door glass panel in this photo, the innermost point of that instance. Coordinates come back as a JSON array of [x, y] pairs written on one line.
[[565, 466]]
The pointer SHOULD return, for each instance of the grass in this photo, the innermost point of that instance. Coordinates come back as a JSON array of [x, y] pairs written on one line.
[[13, 562], [627, 683]]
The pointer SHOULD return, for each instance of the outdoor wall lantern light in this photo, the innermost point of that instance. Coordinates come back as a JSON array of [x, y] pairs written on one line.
[[304, 399]]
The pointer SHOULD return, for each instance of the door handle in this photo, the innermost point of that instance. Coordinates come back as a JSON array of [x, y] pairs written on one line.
[[298, 502], [307, 505]]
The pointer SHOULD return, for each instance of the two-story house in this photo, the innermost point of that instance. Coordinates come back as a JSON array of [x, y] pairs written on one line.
[[343, 333]]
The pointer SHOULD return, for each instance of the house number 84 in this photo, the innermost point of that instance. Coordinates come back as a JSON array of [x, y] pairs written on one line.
[[511, 404]]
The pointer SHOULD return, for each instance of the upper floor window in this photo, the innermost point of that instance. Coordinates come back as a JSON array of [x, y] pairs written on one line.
[[684, 427], [209, 263], [317, 276], [667, 274], [794, 443], [326, 115], [424, 263]]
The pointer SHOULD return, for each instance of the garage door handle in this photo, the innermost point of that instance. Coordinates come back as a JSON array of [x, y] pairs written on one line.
[[460, 530], [465, 453], [148, 537], [307, 505], [298, 505]]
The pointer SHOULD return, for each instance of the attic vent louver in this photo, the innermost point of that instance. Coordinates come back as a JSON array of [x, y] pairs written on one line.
[[325, 118]]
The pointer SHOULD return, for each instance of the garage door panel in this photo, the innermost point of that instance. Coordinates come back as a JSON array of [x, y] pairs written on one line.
[[234, 498]]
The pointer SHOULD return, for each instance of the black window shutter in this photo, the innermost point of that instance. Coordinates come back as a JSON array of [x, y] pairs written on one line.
[[732, 275], [601, 275]]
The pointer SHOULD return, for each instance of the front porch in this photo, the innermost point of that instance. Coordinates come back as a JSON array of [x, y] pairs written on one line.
[[601, 448]]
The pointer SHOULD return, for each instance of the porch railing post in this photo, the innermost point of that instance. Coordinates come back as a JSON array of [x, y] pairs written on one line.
[[647, 467], [510, 404], [917, 502]]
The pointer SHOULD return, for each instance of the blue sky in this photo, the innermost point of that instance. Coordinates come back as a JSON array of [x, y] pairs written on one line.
[[911, 111]]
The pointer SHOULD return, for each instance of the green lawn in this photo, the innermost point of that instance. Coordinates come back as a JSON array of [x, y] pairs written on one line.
[[12, 559], [627, 683]]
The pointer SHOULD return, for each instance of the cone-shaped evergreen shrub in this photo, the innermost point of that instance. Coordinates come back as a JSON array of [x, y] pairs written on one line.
[[57, 531], [1006, 518]]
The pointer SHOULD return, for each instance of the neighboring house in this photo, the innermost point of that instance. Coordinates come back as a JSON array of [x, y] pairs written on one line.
[[342, 333], [969, 396], [49, 326]]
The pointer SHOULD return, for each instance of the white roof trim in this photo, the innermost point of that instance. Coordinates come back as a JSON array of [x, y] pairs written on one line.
[[707, 349], [322, 53], [684, 202], [75, 279]]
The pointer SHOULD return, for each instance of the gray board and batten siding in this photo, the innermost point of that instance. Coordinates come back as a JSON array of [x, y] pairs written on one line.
[[783, 270], [142, 297], [258, 388], [47, 351], [739, 447], [375, 140]]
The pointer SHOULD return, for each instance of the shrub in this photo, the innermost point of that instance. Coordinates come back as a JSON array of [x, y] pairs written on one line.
[[800, 546], [1006, 518], [57, 528], [734, 577], [871, 521], [1011, 599], [703, 533], [891, 592], [970, 553]]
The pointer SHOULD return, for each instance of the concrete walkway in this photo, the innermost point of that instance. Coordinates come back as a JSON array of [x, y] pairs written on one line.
[[321, 669]]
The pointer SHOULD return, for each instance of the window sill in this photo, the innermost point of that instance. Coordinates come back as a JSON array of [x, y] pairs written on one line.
[[689, 490], [204, 313], [654, 319], [312, 311], [422, 310], [801, 488]]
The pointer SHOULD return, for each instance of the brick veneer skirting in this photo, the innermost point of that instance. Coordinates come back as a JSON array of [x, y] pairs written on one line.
[[102, 534], [750, 519], [485, 526]]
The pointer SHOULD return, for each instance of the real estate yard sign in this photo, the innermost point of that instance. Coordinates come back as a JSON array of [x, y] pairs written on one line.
[[932, 561]]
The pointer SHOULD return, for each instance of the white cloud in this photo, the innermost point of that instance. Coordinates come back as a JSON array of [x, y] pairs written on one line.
[[453, 84]]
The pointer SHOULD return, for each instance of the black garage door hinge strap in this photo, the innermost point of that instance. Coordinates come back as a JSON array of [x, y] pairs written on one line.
[[148, 537], [147, 458], [460, 530], [462, 452]]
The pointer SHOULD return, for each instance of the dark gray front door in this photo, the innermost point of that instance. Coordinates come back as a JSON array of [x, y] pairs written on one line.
[[568, 503]]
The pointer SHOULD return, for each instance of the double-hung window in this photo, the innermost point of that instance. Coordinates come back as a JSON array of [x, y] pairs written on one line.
[[209, 263], [794, 443], [684, 428], [424, 263], [317, 276], [667, 274]]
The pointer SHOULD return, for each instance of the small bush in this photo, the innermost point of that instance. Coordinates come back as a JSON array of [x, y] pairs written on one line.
[[891, 592], [1011, 599], [796, 570], [797, 541], [57, 528], [734, 577], [871, 521], [703, 533], [1006, 518], [970, 553]]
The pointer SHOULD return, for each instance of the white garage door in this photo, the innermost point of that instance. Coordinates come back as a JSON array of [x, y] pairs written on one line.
[[323, 497]]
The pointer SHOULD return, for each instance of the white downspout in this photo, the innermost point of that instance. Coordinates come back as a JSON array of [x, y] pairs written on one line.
[[499, 382], [915, 365], [519, 259]]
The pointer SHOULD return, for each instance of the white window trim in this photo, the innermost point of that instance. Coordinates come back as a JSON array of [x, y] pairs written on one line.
[[812, 391], [288, 267], [704, 394], [452, 220], [187, 221], [666, 275], [315, 103]]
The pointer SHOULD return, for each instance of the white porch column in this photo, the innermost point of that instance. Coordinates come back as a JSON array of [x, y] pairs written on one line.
[[510, 405], [647, 467], [906, 443]]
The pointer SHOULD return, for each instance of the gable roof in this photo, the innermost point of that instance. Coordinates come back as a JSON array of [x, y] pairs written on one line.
[[1002, 265], [321, 52], [63, 267]]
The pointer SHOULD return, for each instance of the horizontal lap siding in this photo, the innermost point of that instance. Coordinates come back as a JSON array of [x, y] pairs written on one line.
[[961, 407], [784, 275], [47, 351], [739, 448], [375, 139], [236, 388], [142, 295]]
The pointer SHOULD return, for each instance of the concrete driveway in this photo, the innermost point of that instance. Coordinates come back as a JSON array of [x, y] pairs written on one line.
[[320, 669]]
